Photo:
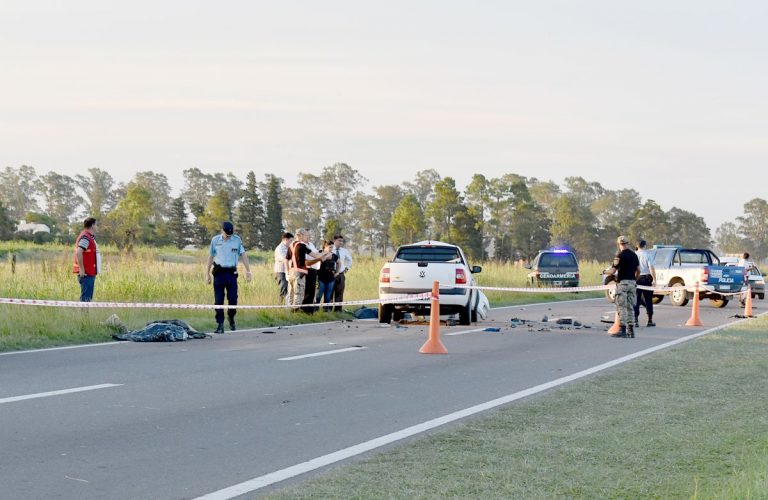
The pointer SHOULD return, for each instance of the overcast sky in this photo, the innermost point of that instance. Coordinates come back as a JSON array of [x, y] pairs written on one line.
[[664, 97]]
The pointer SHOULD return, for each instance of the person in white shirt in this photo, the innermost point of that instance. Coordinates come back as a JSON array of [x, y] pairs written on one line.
[[345, 264], [745, 262], [281, 251], [311, 286]]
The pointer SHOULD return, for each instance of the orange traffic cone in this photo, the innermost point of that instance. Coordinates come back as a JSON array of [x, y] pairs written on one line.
[[616, 326], [433, 344], [748, 303], [694, 320]]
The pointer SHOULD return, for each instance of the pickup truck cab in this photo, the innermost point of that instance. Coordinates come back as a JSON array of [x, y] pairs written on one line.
[[679, 267], [413, 270]]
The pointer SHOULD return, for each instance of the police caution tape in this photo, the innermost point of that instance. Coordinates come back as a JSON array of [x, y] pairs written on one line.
[[594, 288], [152, 305], [404, 298]]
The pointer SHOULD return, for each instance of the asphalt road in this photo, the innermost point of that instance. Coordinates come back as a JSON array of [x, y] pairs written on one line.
[[190, 418]]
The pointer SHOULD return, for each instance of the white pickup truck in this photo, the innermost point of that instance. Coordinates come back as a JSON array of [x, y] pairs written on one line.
[[413, 270], [678, 268]]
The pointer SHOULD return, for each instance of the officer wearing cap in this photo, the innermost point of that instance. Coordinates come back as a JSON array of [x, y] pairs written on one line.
[[226, 249], [647, 278], [626, 268]]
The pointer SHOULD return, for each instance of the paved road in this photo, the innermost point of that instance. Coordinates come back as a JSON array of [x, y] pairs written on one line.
[[185, 419]]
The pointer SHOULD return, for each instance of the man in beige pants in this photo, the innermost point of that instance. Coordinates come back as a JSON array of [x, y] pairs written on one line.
[[298, 258]]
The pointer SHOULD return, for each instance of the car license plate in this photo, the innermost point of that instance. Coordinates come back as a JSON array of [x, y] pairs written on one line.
[[725, 287], [557, 283]]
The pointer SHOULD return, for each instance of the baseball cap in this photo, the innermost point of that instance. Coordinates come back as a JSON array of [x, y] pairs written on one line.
[[227, 227], [622, 240]]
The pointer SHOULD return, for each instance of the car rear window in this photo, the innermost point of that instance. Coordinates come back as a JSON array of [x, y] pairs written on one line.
[[428, 254], [557, 260], [693, 257]]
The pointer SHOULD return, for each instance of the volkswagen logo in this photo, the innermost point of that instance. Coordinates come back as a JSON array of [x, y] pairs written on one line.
[[422, 274]]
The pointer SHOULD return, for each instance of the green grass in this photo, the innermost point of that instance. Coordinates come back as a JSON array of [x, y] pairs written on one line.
[[169, 275], [690, 422]]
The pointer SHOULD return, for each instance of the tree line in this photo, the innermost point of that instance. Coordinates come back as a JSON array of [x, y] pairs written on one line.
[[509, 217]]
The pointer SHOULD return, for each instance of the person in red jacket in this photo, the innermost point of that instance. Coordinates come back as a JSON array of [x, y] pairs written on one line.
[[87, 259]]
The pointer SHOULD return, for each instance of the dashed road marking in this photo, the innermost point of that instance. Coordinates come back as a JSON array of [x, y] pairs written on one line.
[[322, 353], [466, 331], [14, 399]]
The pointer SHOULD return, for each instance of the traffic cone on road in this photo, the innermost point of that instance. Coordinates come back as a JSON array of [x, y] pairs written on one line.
[[694, 320], [433, 344], [748, 303], [616, 326]]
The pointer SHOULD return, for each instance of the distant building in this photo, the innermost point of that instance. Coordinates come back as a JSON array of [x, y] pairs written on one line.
[[31, 227]]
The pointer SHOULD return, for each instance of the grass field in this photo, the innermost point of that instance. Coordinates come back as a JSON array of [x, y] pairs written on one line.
[[169, 275], [690, 422]]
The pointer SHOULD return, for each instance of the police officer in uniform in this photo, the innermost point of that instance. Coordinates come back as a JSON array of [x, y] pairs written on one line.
[[226, 249], [626, 268], [647, 278]]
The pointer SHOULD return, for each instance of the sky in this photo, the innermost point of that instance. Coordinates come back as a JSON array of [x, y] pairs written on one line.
[[664, 97]]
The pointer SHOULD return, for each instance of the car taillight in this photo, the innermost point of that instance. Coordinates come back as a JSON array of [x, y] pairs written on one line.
[[384, 276], [705, 276], [578, 276], [461, 278]]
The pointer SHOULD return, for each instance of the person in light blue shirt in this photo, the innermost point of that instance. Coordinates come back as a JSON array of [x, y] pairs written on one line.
[[647, 278], [226, 249]]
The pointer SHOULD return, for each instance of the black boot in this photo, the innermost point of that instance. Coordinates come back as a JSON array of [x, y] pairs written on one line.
[[630, 331], [219, 328], [650, 321], [232, 325], [621, 334]]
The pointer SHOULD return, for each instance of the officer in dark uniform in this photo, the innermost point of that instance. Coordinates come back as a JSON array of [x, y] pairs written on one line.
[[226, 249], [626, 267]]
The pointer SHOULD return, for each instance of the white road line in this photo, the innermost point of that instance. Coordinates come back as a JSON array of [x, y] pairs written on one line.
[[57, 393], [337, 456], [322, 353], [283, 327], [548, 303], [80, 346], [465, 331]]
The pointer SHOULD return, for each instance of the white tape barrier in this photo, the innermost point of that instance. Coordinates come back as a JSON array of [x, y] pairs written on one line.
[[596, 288], [149, 305], [406, 298]]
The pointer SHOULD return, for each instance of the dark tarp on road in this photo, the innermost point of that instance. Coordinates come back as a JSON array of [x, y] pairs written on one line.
[[166, 330]]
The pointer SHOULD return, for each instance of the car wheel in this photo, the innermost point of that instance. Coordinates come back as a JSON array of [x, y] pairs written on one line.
[[465, 315], [761, 296], [397, 314], [657, 299], [385, 313], [678, 296], [719, 303], [610, 292]]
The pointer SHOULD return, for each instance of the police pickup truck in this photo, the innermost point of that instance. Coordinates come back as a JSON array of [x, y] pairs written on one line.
[[679, 267], [413, 270]]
